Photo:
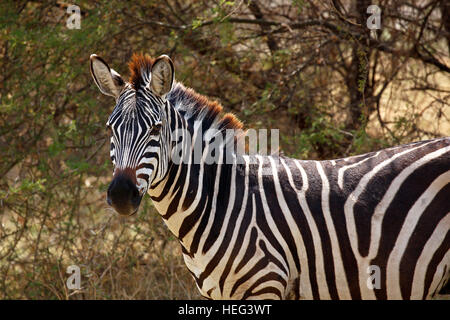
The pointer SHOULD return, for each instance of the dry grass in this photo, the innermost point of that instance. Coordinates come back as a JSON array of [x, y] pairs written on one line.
[[132, 258]]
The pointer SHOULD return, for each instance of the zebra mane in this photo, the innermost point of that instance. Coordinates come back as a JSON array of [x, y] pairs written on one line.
[[190, 103], [199, 108], [140, 66]]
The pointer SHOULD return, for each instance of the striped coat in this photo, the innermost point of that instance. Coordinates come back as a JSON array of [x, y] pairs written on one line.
[[374, 226], [312, 228]]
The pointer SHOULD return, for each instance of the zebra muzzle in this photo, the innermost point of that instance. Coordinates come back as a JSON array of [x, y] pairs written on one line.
[[123, 195]]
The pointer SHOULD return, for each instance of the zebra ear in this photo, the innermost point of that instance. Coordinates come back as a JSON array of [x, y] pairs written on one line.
[[162, 76], [107, 80]]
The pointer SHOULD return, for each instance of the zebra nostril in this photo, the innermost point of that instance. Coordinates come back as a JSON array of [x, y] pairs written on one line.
[[108, 193], [135, 197]]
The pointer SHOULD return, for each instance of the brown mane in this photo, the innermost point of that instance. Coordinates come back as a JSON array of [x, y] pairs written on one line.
[[199, 105], [203, 108], [139, 64]]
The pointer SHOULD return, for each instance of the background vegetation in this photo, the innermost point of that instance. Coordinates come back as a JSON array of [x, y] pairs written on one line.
[[310, 68]]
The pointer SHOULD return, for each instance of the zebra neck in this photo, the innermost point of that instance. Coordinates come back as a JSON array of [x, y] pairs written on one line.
[[188, 198], [188, 195]]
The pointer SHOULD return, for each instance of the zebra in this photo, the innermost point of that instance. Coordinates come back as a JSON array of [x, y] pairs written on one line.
[[308, 230]]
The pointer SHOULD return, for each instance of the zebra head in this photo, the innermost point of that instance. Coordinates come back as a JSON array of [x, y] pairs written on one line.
[[138, 126]]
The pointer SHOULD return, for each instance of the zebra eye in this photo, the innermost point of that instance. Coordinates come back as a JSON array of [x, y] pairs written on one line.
[[155, 129]]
